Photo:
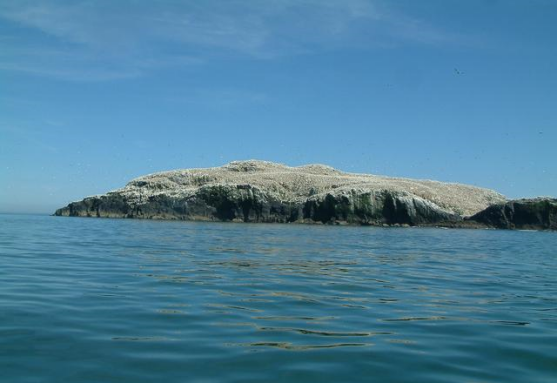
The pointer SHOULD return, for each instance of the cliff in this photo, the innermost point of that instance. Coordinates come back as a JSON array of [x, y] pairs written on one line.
[[260, 191]]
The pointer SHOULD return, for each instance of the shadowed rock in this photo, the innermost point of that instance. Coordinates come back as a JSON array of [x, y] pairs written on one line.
[[528, 214]]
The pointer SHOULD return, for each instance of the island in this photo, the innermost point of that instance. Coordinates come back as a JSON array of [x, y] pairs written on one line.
[[262, 191]]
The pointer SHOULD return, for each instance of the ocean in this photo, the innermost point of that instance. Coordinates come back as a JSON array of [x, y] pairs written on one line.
[[108, 300]]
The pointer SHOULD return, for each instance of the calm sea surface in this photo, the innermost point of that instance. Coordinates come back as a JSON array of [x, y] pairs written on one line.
[[100, 300]]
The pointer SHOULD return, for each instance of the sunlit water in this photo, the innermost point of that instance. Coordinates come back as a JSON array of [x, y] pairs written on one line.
[[100, 300]]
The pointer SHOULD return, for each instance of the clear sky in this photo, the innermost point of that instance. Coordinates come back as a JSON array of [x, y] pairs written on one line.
[[95, 93]]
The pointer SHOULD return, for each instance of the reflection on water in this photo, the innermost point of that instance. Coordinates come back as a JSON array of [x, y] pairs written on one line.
[[89, 300], [291, 347]]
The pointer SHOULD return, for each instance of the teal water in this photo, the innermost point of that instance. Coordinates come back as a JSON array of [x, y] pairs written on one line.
[[100, 300]]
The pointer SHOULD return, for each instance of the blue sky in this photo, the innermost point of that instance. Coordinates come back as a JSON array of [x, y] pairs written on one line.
[[95, 93]]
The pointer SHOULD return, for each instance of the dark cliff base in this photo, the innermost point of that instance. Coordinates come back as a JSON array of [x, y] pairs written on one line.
[[222, 205], [383, 209]]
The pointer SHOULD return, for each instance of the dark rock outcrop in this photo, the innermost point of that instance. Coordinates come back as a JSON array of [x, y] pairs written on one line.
[[526, 214]]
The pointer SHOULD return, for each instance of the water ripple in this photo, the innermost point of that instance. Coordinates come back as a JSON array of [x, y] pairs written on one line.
[[85, 300]]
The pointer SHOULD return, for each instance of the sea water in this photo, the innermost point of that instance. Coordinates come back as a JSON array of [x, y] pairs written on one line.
[[107, 300]]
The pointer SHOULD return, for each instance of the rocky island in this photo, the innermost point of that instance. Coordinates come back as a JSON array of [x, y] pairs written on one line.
[[261, 191]]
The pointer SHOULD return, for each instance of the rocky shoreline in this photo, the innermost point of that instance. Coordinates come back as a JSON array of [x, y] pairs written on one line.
[[260, 191]]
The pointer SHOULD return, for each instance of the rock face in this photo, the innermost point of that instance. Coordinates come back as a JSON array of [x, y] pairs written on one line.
[[259, 191], [532, 214]]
